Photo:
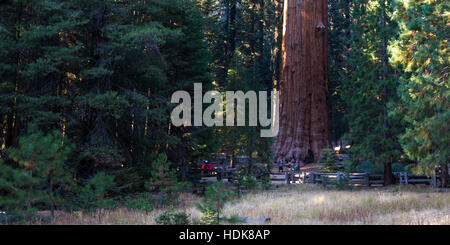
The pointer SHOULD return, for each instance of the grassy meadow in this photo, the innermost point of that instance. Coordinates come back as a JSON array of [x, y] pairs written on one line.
[[302, 205]]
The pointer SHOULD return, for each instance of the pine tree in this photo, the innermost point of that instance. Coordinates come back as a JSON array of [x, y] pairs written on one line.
[[339, 32], [102, 72], [164, 179], [162, 176], [14, 184], [422, 53], [371, 87], [42, 157], [36, 57], [213, 203], [241, 39]]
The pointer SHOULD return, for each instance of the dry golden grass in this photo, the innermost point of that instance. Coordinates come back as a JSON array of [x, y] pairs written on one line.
[[301, 205], [123, 216], [313, 205]]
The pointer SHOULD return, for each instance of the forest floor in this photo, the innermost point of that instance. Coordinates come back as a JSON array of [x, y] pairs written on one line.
[[305, 205]]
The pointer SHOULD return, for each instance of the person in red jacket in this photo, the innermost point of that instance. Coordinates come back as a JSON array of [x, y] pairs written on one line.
[[204, 166]]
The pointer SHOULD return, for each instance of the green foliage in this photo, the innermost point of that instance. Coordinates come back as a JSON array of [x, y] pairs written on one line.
[[245, 179], [101, 184], [87, 70], [343, 182], [398, 167], [41, 173], [94, 78], [370, 88], [162, 176], [348, 165], [244, 56], [142, 202], [163, 179], [102, 73], [95, 193], [324, 181], [212, 203], [209, 217], [328, 157], [422, 55], [369, 167], [250, 181], [339, 36], [13, 189], [256, 178], [170, 217], [266, 182]]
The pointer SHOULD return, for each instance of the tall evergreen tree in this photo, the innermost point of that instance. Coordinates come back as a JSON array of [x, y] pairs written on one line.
[[42, 170], [339, 31], [102, 73], [423, 54], [371, 86]]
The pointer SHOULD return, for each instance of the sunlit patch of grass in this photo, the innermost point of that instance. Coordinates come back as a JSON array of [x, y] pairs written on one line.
[[308, 205]]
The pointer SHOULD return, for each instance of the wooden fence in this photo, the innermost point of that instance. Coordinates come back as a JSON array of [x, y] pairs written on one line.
[[354, 179]]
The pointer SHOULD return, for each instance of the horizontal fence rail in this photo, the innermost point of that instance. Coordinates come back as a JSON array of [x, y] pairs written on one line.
[[354, 179]]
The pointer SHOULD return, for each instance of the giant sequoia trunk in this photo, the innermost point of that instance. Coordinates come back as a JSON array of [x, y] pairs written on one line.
[[304, 112]]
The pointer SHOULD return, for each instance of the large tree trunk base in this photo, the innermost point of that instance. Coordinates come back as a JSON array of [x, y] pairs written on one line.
[[388, 176], [304, 105]]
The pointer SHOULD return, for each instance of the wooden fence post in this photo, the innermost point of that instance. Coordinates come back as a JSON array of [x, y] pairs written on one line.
[[367, 179], [406, 177], [434, 178], [288, 181]]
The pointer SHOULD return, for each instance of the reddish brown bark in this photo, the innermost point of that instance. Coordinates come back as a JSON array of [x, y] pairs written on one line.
[[304, 111]]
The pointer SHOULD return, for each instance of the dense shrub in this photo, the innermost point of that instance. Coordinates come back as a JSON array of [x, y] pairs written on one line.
[[170, 217], [142, 202]]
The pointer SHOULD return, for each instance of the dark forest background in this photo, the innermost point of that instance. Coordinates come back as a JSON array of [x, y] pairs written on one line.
[[85, 89]]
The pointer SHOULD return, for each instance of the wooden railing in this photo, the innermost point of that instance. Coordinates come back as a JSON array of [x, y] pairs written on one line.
[[354, 179]]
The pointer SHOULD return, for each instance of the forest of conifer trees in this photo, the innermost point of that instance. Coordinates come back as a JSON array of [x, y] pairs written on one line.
[[86, 86]]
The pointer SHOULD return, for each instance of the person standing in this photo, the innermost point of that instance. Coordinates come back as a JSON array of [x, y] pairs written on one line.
[[204, 166], [280, 166]]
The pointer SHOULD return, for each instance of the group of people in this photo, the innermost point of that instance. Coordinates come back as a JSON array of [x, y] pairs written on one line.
[[207, 166], [308, 159]]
